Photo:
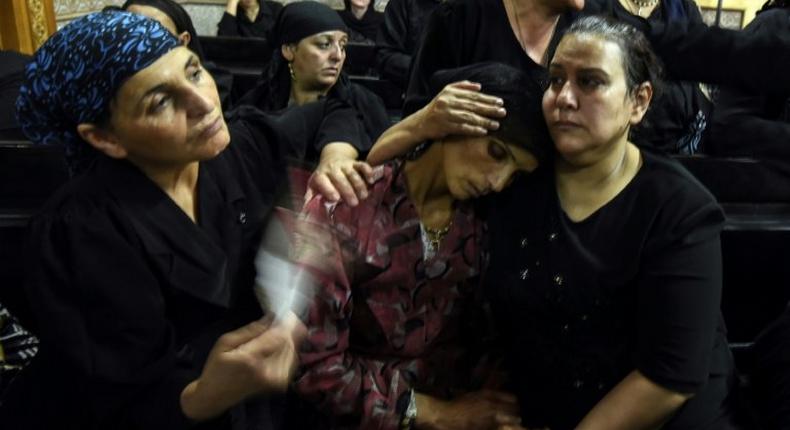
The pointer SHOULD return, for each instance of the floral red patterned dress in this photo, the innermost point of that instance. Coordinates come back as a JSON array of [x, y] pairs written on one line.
[[386, 319]]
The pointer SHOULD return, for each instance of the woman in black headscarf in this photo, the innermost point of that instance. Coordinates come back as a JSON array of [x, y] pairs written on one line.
[[176, 20], [309, 64]]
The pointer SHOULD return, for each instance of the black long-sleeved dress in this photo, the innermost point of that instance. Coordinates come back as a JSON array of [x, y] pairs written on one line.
[[130, 294]]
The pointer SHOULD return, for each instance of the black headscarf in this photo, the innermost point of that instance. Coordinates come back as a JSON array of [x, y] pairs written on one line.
[[305, 18], [524, 124], [179, 16]]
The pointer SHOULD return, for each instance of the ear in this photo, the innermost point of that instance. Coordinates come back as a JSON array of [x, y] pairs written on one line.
[[184, 38], [102, 140], [288, 52], [641, 98]]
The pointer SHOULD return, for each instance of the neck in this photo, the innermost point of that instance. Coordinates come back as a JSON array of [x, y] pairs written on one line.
[[301, 96], [427, 187], [597, 175], [358, 12], [533, 23], [179, 183]]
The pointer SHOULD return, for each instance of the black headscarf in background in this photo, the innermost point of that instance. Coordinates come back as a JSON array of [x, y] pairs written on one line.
[[294, 22], [180, 18]]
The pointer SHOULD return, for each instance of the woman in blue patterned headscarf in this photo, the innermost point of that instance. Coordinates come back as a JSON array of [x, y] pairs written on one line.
[[141, 268]]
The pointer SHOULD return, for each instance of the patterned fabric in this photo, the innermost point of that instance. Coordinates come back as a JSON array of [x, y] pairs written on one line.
[[385, 319], [76, 73], [17, 347]]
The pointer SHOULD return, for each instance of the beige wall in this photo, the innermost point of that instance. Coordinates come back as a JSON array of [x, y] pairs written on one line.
[[747, 7]]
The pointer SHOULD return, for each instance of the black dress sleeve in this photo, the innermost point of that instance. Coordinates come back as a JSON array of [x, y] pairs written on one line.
[[679, 291], [392, 56], [228, 25], [439, 50], [109, 346], [693, 51]]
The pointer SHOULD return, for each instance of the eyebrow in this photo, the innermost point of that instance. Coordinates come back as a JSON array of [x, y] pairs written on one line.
[[192, 58]]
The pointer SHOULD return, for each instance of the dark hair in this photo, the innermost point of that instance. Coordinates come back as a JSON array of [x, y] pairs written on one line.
[[180, 18], [639, 61], [524, 124], [772, 4]]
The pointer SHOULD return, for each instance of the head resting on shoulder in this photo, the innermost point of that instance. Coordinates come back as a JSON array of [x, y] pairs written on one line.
[[475, 166]]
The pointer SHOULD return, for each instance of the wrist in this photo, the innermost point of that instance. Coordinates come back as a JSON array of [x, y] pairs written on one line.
[[427, 412], [418, 126], [198, 405]]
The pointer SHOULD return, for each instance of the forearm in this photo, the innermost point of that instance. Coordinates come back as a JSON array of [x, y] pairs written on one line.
[[399, 139], [635, 403], [232, 7]]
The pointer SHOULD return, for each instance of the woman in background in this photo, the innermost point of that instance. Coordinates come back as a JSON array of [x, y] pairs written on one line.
[[249, 18], [308, 65], [362, 20]]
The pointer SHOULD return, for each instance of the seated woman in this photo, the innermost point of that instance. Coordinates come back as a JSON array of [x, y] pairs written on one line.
[[394, 324], [141, 268], [362, 20], [309, 65], [176, 20], [605, 273], [249, 18]]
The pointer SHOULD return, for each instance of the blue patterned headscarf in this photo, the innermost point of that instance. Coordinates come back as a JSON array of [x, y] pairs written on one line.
[[78, 70]]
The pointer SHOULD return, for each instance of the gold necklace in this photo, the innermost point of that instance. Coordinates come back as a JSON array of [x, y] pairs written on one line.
[[641, 4], [435, 236]]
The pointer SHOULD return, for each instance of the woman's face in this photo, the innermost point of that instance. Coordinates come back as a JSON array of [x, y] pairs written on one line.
[[360, 4], [476, 166], [168, 114], [318, 59], [588, 107]]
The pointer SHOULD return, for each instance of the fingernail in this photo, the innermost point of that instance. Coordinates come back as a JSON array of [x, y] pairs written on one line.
[[502, 111], [500, 102], [364, 195], [334, 197], [495, 125]]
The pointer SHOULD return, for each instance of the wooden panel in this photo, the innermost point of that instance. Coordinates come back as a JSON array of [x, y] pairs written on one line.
[[26, 24]]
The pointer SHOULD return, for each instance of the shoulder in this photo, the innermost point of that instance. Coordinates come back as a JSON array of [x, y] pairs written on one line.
[[684, 209], [774, 19]]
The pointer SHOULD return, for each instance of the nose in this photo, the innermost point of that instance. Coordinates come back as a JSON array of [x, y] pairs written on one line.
[[337, 53], [499, 180], [198, 102], [566, 98]]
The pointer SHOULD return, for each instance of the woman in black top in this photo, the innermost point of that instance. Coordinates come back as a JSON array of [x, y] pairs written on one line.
[[249, 18], [605, 273], [362, 20], [308, 66], [141, 268], [174, 18]]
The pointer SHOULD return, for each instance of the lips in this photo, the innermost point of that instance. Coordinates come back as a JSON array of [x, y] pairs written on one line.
[[212, 128]]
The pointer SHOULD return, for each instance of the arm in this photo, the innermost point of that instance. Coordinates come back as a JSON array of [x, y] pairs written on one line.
[[227, 24], [459, 109], [677, 309], [392, 57], [635, 403]]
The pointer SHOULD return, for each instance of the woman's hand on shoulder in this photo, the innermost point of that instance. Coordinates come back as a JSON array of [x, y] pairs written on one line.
[[339, 176], [460, 109], [257, 358]]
